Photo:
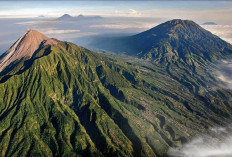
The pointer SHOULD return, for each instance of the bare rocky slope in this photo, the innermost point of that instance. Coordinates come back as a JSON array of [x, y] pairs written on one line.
[[24, 47]]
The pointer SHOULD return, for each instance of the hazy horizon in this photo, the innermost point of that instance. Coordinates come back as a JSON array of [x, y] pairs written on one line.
[[122, 17]]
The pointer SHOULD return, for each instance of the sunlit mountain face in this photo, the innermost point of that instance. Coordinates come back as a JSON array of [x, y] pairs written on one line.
[[115, 78]]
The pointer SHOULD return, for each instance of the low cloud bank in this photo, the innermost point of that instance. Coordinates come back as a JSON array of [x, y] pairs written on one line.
[[218, 143], [225, 73], [124, 25], [223, 31], [57, 31]]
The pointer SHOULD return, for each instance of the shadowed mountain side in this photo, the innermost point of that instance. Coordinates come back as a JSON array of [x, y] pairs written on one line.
[[173, 41], [66, 100]]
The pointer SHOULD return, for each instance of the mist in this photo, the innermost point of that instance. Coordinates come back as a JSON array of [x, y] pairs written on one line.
[[223, 31], [225, 73], [76, 31], [216, 143], [82, 32]]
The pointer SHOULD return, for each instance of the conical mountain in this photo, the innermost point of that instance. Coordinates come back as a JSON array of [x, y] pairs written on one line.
[[179, 40], [24, 47], [69, 101], [172, 41], [65, 17]]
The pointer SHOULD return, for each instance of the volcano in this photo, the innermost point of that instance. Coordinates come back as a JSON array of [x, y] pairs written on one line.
[[60, 99], [24, 47]]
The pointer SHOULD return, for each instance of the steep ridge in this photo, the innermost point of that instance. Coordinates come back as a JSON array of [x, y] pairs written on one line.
[[24, 47], [68, 101], [175, 40], [180, 40]]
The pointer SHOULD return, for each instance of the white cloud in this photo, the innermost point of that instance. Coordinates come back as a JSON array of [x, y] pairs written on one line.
[[134, 12], [223, 31], [60, 31], [118, 26], [38, 22], [125, 25], [217, 143], [225, 73], [128, 13], [70, 36]]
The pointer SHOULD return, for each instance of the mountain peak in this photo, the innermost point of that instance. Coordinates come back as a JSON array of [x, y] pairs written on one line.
[[80, 15], [35, 35], [25, 46], [32, 31], [174, 28], [179, 21], [178, 24], [172, 41], [65, 17]]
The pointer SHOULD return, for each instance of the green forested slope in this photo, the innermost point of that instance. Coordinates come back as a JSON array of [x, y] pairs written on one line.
[[69, 101]]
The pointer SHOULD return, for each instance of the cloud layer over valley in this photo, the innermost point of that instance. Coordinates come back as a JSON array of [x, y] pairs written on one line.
[[225, 73], [217, 143], [223, 31]]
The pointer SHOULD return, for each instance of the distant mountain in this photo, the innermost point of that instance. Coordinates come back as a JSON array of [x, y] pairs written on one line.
[[41, 16], [60, 99], [175, 40], [67, 17], [24, 47], [209, 23], [82, 17]]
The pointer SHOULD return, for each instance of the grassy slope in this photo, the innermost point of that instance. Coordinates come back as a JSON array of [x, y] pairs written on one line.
[[70, 101]]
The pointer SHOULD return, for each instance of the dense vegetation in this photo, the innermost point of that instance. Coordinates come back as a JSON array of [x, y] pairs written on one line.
[[69, 101]]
